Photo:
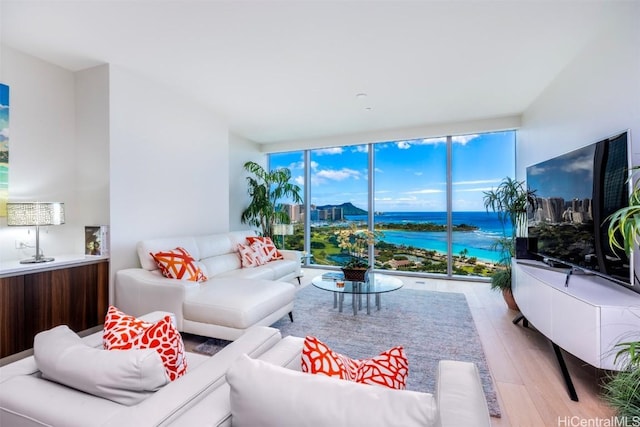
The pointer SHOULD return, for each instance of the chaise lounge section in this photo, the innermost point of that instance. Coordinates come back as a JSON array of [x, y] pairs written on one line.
[[224, 306]]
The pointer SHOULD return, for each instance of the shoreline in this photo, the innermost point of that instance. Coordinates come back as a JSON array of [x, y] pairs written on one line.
[[401, 257]]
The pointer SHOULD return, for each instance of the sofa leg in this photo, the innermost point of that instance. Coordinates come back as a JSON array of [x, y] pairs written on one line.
[[291, 315]]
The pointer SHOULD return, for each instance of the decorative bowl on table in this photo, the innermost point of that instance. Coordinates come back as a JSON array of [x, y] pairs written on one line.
[[358, 274]]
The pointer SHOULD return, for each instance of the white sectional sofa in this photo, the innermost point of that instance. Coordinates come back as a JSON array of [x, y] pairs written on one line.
[[263, 389], [232, 299]]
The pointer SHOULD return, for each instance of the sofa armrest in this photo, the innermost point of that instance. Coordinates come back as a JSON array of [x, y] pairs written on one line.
[[140, 291], [460, 396], [202, 394], [293, 255]]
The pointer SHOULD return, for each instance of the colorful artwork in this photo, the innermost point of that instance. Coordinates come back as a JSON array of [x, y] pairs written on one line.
[[4, 148]]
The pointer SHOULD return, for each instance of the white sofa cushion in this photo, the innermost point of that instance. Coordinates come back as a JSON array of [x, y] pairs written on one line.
[[123, 376], [263, 394], [237, 303], [147, 247]]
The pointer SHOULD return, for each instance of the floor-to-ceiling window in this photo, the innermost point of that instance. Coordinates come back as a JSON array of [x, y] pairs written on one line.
[[293, 237], [339, 197], [410, 199], [478, 163], [425, 196]]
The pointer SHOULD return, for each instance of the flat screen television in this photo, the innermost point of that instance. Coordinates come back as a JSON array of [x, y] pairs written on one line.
[[575, 193]]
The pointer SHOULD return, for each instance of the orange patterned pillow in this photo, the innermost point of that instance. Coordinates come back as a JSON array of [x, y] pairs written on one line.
[[249, 256], [178, 264], [268, 247], [124, 332], [389, 369]]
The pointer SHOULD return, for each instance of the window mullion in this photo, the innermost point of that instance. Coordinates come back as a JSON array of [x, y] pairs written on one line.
[[371, 201], [449, 208]]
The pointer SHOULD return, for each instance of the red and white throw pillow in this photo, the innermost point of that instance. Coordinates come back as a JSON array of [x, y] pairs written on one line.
[[120, 328], [178, 264], [389, 369], [268, 247], [124, 332], [250, 256]]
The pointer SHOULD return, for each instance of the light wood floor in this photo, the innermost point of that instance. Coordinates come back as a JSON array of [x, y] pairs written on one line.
[[526, 375], [528, 380]]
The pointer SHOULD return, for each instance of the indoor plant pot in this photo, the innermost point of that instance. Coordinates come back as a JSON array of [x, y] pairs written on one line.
[[507, 294], [355, 274]]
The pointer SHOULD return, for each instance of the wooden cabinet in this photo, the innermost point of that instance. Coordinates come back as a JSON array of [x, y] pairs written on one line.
[[74, 294]]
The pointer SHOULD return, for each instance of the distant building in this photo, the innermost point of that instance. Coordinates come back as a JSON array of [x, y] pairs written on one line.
[[556, 210], [329, 214], [296, 212]]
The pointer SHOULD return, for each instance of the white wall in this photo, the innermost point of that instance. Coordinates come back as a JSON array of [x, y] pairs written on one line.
[[42, 151], [596, 96], [92, 135], [117, 149], [169, 166], [241, 151]]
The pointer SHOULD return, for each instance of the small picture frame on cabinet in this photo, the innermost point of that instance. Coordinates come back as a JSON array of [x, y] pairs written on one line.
[[96, 240]]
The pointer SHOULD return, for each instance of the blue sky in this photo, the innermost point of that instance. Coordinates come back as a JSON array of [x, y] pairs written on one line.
[[410, 175]]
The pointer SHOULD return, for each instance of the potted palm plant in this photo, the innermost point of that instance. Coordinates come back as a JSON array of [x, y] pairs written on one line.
[[266, 189], [510, 200], [622, 390], [625, 223]]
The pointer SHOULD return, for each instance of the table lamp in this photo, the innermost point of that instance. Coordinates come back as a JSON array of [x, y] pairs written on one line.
[[283, 230], [30, 214]]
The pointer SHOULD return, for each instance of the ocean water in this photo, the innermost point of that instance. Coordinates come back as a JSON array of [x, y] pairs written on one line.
[[477, 243]]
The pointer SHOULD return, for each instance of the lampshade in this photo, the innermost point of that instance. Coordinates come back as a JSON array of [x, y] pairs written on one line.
[[283, 229], [30, 214], [35, 213]]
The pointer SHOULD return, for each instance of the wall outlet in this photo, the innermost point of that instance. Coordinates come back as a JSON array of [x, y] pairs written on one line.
[[22, 244]]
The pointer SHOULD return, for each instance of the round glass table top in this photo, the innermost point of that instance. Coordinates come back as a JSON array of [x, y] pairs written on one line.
[[376, 283]]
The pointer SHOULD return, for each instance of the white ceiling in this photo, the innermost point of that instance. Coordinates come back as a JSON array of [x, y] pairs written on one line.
[[290, 70]]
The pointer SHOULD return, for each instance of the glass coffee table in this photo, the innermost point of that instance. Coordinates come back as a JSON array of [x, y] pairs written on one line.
[[376, 284]]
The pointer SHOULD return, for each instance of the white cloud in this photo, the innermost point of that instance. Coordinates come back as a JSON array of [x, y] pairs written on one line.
[[424, 191], [463, 139], [477, 182], [361, 149], [328, 151], [338, 175], [460, 139], [537, 170], [473, 190], [583, 163], [403, 145]]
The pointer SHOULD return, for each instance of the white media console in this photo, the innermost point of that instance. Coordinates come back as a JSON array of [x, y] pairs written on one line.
[[586, 318]]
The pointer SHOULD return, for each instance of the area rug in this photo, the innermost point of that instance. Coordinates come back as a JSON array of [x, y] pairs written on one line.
[[430, 325]]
